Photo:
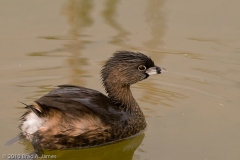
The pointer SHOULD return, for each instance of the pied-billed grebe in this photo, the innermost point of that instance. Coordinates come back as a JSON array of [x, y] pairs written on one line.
[[73, 116]]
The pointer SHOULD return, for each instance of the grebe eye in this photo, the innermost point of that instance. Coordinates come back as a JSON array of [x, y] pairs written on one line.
[[142, 68]]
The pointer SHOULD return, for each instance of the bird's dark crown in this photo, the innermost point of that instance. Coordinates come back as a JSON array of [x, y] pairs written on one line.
[[130, 58]]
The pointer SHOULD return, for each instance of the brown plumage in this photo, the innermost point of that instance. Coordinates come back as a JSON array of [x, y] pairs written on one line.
[[73, 116]]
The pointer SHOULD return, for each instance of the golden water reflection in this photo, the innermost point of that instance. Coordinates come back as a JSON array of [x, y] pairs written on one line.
[[117, 151], [110, 16]]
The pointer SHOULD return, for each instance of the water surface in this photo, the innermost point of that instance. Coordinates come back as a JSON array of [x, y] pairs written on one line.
[[192, 111]]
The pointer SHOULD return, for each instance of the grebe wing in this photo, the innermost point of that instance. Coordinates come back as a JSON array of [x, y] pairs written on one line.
[[77, 99]]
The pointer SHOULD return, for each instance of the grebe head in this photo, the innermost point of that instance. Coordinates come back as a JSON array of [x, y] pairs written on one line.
[[125, 68]]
